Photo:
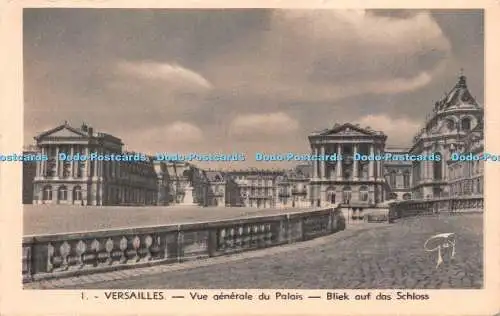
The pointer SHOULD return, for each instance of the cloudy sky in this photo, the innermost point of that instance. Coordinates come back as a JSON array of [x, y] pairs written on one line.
[[243, 80]]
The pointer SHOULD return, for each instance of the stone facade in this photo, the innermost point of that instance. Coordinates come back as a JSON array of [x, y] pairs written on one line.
[[445, 131], [90, 182], [221, 189], [293, 187], [257, 187], [347, 179], [397, 175], [466, 177]]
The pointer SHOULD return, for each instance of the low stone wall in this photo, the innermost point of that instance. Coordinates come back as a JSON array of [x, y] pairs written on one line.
[[356, 215], [71, 254], [448, 205]]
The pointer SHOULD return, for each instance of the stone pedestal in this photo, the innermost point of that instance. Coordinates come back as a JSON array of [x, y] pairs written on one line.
[[188, 199]]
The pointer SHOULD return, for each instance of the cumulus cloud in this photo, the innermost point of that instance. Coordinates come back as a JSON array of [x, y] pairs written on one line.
[[175, 136], [183, 132], [170, 76], [260, 125], [399, 131], [327, 55]]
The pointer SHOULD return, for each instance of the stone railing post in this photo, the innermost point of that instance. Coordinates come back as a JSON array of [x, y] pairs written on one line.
[[302, 228], [330, 221], [27, 268], [212, 242], [289, 229], [40, 257], [179, 245]]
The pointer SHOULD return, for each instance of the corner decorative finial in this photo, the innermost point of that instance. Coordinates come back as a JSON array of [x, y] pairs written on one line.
[[462, 79]]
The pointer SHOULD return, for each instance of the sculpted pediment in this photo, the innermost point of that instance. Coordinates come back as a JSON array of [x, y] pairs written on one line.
[[62, 131], [348, 130], [65, 132]]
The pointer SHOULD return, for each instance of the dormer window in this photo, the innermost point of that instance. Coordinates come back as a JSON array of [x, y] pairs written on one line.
[[450, 125], [465, 124]]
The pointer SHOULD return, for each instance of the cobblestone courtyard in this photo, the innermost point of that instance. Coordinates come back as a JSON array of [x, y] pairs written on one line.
[[377, 256]]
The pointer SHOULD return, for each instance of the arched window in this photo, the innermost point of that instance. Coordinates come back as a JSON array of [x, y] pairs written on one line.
[[406, 196], [363, 193], [47, 193], [465, 124], [77, 193], [62, 193], [438, 169], [330, 195]]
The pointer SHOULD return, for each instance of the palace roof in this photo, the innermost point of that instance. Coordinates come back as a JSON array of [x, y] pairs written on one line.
[[458, 97], [65, 131]]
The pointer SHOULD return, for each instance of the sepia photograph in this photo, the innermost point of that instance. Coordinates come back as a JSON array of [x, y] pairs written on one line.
[[253, 149]]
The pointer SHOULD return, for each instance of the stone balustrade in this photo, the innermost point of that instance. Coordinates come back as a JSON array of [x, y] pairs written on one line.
[[449, 205], [72, 254]]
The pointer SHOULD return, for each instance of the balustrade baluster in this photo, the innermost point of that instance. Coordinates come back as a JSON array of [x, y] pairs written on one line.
[[246, 236], [222, 239], [109, 246], [81, 247], [95, 246], [50, 257], [123, 248], [64, 251], [136, 243], [155, 247], [148, 242], [231, 238], [239, 239]]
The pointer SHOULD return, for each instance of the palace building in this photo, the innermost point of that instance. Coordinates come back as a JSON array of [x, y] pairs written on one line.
[[257, 187], [452, 119], [90, 182], [293, 187], [347, 180], [137, 181], [350, 176]]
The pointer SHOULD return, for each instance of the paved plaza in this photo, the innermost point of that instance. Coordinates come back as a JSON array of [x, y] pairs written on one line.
[[52, 219], [367, 256]]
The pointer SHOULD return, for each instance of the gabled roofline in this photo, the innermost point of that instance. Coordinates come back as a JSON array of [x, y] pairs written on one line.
[[339, 127], [59, 128]]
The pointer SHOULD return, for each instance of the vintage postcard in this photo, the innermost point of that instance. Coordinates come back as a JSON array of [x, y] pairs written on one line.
[[253, 158]]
